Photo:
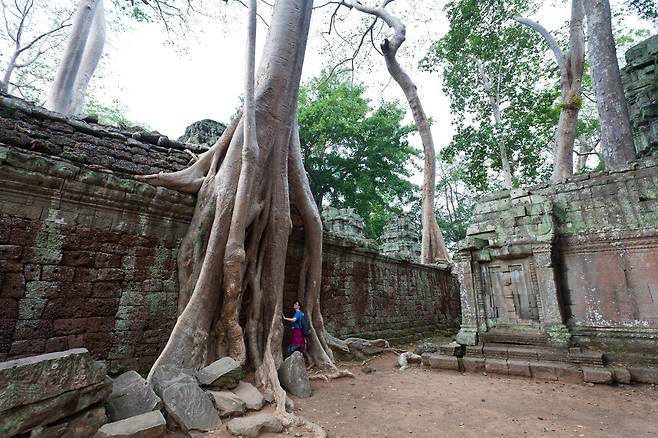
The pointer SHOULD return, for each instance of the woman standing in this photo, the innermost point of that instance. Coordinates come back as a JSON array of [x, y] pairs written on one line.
[[297, 342]]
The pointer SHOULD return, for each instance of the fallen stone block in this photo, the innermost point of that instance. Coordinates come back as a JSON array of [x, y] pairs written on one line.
[[190, 407], [223, 373], [166, 375], [131, 396], [293, 376], [496, 366], [81, 425], [252, 426], [518, 368], [644, 374], [148, 425], [44, 412], [597, 375], [366, 346], [543, 370], [439, 361], [228, 403], [621, 375], [36, 378], [451, 349], [251, 397], [473, 364]]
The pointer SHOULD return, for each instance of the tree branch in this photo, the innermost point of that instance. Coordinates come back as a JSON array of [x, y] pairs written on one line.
[[557, 51]]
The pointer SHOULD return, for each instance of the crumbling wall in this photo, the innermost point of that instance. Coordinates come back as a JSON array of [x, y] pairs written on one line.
[[88, 254]]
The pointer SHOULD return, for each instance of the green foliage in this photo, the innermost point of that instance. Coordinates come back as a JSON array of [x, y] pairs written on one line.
[[112, 114], [355, 154], [483, 42], [454, 203]]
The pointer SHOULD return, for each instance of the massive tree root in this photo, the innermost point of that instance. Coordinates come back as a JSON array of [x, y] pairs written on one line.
[[231, 261]]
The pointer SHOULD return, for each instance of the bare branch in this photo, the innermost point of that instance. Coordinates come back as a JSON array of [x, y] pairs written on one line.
[[557, 51]]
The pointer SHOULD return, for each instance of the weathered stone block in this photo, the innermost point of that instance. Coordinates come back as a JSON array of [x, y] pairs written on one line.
[[148, 425], [544, 370], [32, 379], [131, 396], [473, 364], [46, 411], [252, 426], [518, 368], [293, 376], [621, 375], [252, 397], [228, 403], [496, 366], [568, 373], [597, 375], [223, 373], [83, 424], [190, 407], [439, 361]]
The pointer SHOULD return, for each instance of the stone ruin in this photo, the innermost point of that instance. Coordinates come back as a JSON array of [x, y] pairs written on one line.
[[641, 89], [344, 222], [559, 281], [204, 132], [400, 239]]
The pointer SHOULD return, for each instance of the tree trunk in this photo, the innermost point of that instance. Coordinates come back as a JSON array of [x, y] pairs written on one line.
[[433, 248], [83, 50], [617, 145], [232, 260], [11, 65], [502, 149]]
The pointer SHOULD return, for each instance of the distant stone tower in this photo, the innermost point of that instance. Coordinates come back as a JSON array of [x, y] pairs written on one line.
[[400, 239], [343, 222], [204, 132]]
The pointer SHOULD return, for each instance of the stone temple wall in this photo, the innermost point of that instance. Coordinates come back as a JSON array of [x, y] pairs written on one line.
[[366, 294], [88, 254], [570, 264]]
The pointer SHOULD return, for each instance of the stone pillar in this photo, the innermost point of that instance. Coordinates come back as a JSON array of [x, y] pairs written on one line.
[[552, 319], [468, 333]]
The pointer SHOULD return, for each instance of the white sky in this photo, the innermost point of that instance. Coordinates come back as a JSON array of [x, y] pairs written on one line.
[[168, 90]]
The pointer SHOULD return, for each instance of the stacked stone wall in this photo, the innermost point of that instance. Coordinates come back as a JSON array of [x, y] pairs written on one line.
[[88, 254], [606, 250], [365, 294]]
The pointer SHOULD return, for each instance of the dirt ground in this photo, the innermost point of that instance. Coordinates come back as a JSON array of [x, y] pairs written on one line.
[[419, 402]]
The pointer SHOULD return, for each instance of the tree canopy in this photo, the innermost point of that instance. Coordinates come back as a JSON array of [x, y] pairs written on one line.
[[356, 154]]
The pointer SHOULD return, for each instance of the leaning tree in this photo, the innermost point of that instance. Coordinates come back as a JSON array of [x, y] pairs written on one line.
[[232, 260]]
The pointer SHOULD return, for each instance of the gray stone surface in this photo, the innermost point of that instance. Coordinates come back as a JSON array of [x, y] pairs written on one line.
[[81, 425], [131, 396], [205, 132], [597, 375], [343, 222], [426, 347], [228, 403], [190, 407], [148, 425], [36, 378], [293, 376], [252, 426], [166, 375], [251, 396], [44, 412], [401, 239], [223, 373]]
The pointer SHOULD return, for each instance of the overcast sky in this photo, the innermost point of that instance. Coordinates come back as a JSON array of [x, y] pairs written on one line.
[[169, 87]]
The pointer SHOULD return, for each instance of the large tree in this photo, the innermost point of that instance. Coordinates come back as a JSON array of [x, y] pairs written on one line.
[[230, 261], [572, 65], [617, 146], [355, 154], [433, 248], [501, 92]]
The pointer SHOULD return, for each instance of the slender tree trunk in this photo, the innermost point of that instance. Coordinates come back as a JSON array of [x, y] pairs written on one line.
[[502, 148], [617, 144], [433, 247], [11, 65], [83, 50], [584, 150]]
